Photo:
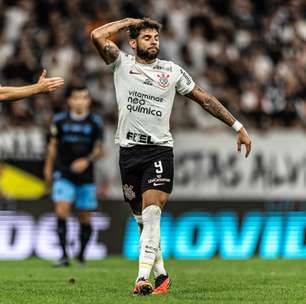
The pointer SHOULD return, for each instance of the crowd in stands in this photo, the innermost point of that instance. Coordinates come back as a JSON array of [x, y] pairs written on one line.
[[250, 54]]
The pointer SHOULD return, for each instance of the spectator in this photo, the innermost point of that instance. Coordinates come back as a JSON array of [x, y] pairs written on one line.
[[252, 55]]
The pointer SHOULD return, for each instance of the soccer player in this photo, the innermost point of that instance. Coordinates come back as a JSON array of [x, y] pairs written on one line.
[[43, 85], [75, 144], [145, 89]]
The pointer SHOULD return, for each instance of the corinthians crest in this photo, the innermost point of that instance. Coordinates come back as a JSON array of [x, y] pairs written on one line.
[[163, 80], [128, 192]]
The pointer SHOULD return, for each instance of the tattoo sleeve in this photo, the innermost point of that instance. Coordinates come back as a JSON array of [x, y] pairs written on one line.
[[212, 105], [107, 50]]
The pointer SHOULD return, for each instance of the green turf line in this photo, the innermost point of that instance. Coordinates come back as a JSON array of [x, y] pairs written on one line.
[[111, 281]]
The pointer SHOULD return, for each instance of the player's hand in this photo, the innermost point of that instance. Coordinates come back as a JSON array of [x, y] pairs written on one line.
[[48, 175], [134, 21], [243, 138], [79, 165], [47, 85]]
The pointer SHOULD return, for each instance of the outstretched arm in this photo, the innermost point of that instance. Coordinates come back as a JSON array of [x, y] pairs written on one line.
[[107, 49], [43, 85], [213, 106]]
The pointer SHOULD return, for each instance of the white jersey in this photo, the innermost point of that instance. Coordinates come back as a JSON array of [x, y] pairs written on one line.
[[145, 94]]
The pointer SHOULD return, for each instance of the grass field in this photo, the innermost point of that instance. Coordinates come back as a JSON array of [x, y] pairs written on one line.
[[111, 281]]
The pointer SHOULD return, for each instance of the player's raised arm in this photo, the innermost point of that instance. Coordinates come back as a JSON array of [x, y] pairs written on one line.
[[43, 85], [213, 106], [107, 49]]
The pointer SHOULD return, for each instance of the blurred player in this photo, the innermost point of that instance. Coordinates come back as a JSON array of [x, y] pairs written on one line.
[[43, 85], [145, 89], [75, 144]]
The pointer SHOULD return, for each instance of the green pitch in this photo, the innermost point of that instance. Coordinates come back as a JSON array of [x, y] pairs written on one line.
[[111, 281]]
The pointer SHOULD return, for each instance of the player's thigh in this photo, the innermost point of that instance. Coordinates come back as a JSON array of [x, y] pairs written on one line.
[[131, 184], [63, 195], [157, 179], [86, 198]]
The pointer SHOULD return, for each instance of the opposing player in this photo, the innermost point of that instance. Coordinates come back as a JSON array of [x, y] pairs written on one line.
[[43, 85], [145, 90], [75, 144]]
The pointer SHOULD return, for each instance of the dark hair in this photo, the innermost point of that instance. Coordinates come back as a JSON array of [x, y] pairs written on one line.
[[71, 88], [134, 30]]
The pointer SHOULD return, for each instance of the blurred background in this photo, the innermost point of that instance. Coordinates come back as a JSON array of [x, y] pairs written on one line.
[[250, 54]]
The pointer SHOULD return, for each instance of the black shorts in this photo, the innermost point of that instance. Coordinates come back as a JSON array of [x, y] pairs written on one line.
[[143, 168]]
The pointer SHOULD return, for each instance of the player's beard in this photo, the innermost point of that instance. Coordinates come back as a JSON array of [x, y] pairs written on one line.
[[146, 54]]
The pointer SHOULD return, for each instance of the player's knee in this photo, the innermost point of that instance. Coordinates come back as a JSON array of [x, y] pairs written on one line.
[[84, 218], [62, 210], [154, 198]]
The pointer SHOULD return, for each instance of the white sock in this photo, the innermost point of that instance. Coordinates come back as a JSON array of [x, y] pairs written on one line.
[[158, 266], [149, 240], [138, 219]]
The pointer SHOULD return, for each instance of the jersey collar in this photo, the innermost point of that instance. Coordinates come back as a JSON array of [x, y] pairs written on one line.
[[78, 117]]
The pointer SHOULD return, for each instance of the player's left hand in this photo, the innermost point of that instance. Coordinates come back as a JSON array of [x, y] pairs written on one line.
[[79, 165], [243, 138]]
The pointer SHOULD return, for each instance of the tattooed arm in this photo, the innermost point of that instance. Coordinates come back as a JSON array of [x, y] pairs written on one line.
[[213, 106], [107, 49]]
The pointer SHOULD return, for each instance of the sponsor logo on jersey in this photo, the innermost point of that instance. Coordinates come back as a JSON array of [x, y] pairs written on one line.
[[144, 110], [148, 82], [145, 96], [158, 67], [138, 104], [74, 138], [77, 128], [128, 192], [138, 137], [163, 80]]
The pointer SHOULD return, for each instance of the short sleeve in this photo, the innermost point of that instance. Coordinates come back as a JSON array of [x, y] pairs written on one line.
[[54, 129], [184, 84]]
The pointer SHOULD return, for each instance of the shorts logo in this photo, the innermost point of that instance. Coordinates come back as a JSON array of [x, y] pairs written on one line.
[[128, 192], [157, 184], [159, 181], [163, 80]]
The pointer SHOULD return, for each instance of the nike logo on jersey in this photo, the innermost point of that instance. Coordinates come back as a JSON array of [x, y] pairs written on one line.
[[135, 72], [158, 184]]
